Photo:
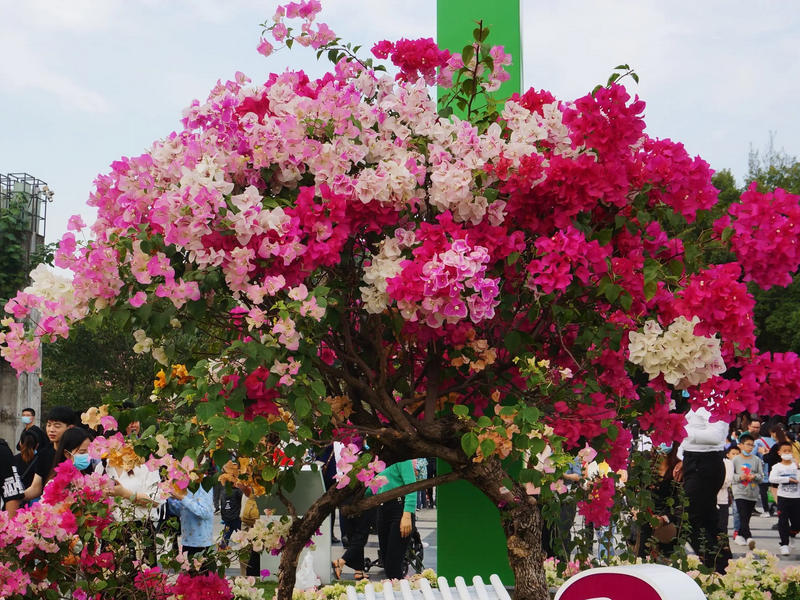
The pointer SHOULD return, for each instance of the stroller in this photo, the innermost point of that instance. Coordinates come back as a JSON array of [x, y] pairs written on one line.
[[414, 557]]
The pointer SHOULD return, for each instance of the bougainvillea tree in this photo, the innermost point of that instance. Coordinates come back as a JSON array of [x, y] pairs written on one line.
[[487, 288]]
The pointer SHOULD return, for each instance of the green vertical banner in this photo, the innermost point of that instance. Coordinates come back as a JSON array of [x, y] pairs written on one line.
[[456, 19], [470, 540]]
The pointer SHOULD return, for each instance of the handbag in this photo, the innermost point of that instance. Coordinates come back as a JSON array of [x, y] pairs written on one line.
[[250, 512], [665, 533]]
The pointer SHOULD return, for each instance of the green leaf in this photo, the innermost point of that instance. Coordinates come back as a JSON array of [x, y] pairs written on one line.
[[446, 112], [531, 414], [625, 300], [635, 77], [613, 432], [487, 447], [603, 236], [476, 34], [121, 317], [485, 34], [490, 194], [651, 269], [467, 53], [512, 341], [269, 473], [319, 388], [469, 443], [650, 289], [484, 421], [512, 258], [303, 406], [675, 267], [460, 410], [612, 292]]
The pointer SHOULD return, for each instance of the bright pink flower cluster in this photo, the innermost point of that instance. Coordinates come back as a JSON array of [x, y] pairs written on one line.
[[722, 303], [434, 287], [13, 581], [414, 58], [766, 235], [563, 256], [662, 425], [597, 509], [202, 587], [678, 181]]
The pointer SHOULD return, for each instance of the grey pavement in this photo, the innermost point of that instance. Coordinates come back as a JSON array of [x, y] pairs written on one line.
[[426, 525], [766, 539]]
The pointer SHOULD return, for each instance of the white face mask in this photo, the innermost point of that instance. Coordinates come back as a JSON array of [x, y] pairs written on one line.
[[786, 457]]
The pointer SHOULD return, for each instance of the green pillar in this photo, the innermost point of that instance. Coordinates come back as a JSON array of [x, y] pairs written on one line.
[[470, 540], [455, 20]]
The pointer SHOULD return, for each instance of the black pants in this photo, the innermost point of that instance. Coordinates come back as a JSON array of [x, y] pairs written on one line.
[[746, 509], [357, 531], [763, 489], [393, 546], [557, 537], [788, 518], [227, 532], [704, 474], [724, 512]]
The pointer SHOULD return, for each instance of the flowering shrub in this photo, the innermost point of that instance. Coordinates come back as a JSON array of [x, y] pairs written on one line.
[[476, 280]]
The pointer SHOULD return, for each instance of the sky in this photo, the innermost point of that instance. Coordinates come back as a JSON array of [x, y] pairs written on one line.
[[83, 82]]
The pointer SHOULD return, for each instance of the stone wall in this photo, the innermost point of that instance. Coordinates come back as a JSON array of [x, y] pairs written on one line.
[[17, 393]]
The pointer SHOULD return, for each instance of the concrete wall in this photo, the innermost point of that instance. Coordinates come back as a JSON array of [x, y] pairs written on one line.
[[17, 393]]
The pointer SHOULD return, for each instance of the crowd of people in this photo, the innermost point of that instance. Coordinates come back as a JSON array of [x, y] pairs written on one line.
[[721, 475], [727, 474], [151, 524]]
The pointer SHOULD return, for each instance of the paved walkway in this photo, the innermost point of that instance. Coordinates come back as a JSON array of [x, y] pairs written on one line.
[[761, 527], [426, 525]]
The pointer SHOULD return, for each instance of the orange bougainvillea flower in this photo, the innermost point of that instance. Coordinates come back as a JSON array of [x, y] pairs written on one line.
[[160, 380]]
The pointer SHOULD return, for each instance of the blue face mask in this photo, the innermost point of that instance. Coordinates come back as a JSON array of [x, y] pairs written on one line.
[[27, 420], [665, 448], [81, 461]]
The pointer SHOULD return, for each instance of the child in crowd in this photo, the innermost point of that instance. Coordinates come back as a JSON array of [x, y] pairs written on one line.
[[784, 474], [733, 452], [748, 472], [196, 510], [723, 497]]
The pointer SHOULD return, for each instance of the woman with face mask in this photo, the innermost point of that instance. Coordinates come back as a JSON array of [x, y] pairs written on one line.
[[74, 446]]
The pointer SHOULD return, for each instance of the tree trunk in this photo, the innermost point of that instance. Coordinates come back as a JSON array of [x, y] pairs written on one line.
[[522, 523], [303, 529]]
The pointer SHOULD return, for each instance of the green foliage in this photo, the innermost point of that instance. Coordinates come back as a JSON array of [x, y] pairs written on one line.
[[14, 235], [90, 368]]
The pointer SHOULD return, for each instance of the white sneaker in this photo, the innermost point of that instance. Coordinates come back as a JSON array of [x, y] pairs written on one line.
[[739, 540], [751, 543], [765, 514], [784, 550], [792, 542]]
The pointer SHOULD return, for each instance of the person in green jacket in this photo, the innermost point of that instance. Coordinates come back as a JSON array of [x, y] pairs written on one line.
[[396, 519]]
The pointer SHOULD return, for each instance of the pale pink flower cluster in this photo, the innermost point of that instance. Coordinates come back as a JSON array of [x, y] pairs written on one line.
[[382, 266], [683, 358], [268, 534], [367, 475]]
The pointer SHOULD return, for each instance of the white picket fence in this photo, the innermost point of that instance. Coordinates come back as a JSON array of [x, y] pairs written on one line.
[[477, 591]]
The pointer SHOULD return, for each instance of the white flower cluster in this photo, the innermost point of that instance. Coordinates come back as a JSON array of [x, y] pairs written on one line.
[[143, 343], [685, 359], [49, 286], [244, 588], [265, 535], [385, 264]]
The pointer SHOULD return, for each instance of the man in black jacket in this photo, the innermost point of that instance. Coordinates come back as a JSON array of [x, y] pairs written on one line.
[[28, 417], [11, 491]]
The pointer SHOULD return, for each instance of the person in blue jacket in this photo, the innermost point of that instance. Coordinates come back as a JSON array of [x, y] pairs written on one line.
[[196, 510], [396, 519]]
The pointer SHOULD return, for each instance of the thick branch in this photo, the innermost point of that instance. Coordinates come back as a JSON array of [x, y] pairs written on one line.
[[373, 501]]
